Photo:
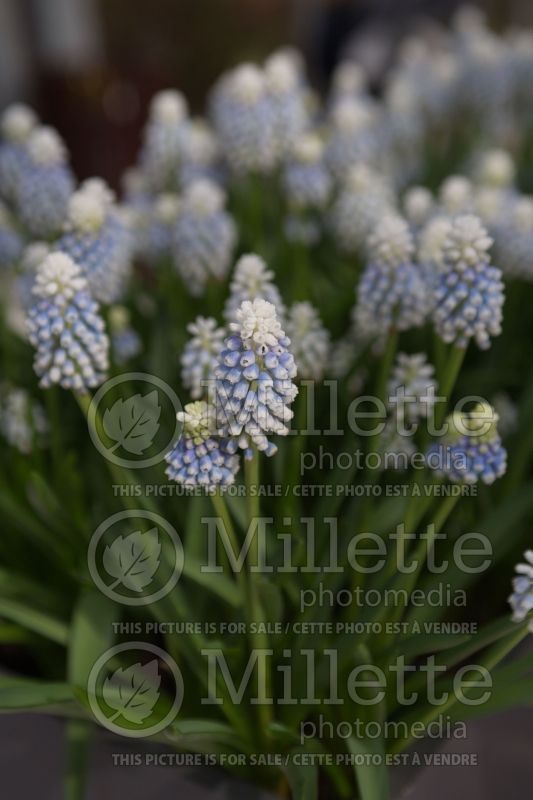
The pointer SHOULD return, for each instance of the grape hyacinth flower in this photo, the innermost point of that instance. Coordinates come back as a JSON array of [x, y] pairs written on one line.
[[158, 234], [125, 341], [283, 81], [11, 243], [244, 120], [16, 124], [521, 600], [200, 457], [200, 153], [310, 341], [418, 206], [45, 183], [66, 328], [354, 136], [456, 195], [471, 449], [513, 238], [254, 386], [200, 356], [413, 376], [468, 297], [391, 293], [364, 199], [23, 422], [164, 140], [251, 280], [307, 184], [204, 236], [495, 169], [97, 238]]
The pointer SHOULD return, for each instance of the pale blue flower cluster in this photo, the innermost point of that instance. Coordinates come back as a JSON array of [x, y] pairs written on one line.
[[308, 185], [163, 141], [11, 243], [200, 457], [204, 236], [471, 450], [310, 341], [98, 239], [254, 386], [125, 341], [412, 386], [355, 135], [66, 328], [244, 120], [364, 198], [23, 422], [521, 600], [44, 184], [200, 355], [392, 293], [259, 113], [252, 280], [16, 125], [468, 297]]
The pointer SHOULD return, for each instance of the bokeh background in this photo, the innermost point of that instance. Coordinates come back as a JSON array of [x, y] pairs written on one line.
[[90, 66]]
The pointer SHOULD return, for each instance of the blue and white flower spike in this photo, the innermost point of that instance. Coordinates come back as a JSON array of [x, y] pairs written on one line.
[[251, 280], [125, 341], [469, 294], [412, 386], [16, 124], [285, 88], [200, 355], [472, 449], [365, 197], [11, 243], [164, 141], [310, 341], [98, 239], [254, 386], [66, 328], [418, 206], [200, 457], [45, 184], [521, 600], [391, 293], [23, 422], [157, 236], [204, 236], [244, 120]]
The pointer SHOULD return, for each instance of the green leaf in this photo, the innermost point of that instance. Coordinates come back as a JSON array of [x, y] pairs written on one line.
[[91, 633], [372, 779], [18, 694], [78, 735], [303, 780], [37, 621]]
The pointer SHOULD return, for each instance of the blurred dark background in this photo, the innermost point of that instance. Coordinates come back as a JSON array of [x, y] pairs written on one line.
[[90, 66]]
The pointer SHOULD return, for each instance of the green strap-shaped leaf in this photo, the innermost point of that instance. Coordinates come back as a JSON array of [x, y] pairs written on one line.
[[370, 771], [23, 694]]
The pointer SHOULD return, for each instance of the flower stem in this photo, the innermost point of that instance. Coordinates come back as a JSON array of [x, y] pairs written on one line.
[[447, 381], [259, 639], [119, 474]]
